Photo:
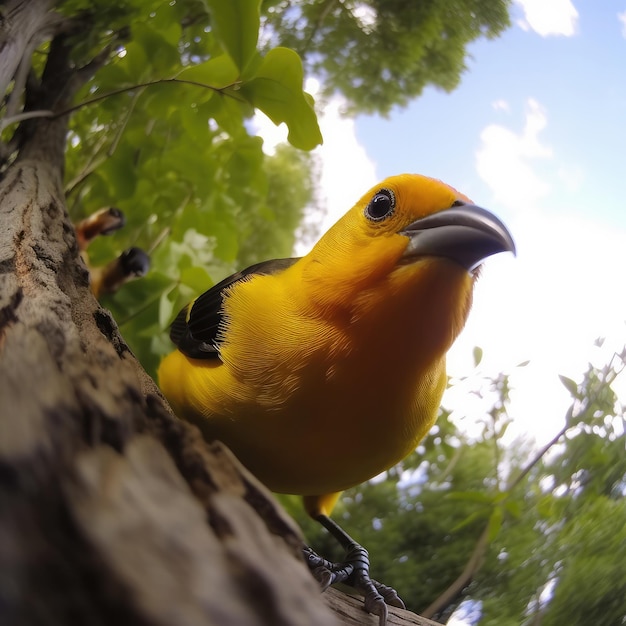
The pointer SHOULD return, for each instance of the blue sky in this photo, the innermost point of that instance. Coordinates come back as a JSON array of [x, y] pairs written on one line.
[[536, 133], [579, 83]]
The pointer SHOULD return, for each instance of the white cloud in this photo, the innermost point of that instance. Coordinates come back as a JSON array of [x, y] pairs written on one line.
[[561, 292], [549, 17], [503, 160], [572, 177], [622, 18], [548, 306], [347, 170]]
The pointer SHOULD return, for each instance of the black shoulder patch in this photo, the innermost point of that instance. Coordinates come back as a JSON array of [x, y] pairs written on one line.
[[195, 328]]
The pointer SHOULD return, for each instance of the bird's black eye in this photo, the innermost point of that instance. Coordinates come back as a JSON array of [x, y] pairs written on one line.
[[381, 205]]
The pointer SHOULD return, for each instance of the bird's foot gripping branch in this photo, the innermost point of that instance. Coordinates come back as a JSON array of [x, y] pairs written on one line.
[[353, 571]]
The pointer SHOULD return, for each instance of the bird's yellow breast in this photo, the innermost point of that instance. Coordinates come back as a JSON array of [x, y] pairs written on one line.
[[313, 397]]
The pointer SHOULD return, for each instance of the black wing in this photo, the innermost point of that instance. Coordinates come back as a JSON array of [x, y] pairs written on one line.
[[194, 331]]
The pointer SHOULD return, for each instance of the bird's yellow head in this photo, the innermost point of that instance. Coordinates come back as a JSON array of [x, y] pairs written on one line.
[[405, 220], [398, 201]]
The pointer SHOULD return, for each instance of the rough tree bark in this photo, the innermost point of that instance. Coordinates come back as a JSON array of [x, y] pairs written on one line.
[[111, 509]]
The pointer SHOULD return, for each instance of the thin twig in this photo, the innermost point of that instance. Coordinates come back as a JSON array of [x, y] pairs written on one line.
[[20, 117], [122, 128], [116, 92], [160, 81], [146, 305], [465, 577], [164, 234]]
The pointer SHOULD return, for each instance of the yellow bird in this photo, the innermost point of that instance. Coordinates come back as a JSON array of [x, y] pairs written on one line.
[[322, 371]]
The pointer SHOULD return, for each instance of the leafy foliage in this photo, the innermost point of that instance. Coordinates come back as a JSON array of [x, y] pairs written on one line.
[[379, 53], [161, 131], [166, 140]]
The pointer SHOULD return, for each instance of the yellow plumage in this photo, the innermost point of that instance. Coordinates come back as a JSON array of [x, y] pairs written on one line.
[[331, 370]]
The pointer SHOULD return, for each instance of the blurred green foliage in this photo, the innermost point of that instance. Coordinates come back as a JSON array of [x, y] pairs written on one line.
[[541, 533], [382, 53], [167, 139]]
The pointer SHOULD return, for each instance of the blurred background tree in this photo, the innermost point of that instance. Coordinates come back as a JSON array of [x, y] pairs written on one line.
[[382, 53], [506, 534]]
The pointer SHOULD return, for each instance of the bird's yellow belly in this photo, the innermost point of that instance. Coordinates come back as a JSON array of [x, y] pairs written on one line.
[[322, 445], [320, 430]]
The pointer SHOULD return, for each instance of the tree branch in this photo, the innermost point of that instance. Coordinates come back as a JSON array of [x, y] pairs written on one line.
[[97, 524], [349, 612], [24, 25], [463, 580], [20, 117]]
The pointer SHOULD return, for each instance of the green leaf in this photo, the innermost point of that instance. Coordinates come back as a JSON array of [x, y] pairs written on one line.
[[197, 278], [513, 508], [217, 73], [120, 174], [478, 355], [467, 521], [570, 385], [112, 76], [159, 52], [277, 91], [253, 67], [471, 496], [236, 24], [135, 63], [166, 23], [495, 523], [166, 309], [228, 113]]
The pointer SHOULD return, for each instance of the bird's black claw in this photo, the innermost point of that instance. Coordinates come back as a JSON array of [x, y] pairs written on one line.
[[323, 576], [375, 602], [354, 571], [376, 606], [326, 572], [389, 594]]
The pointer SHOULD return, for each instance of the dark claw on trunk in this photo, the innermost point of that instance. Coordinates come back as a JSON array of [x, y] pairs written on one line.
[[354, 571]]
